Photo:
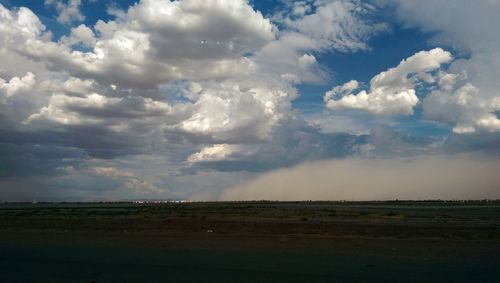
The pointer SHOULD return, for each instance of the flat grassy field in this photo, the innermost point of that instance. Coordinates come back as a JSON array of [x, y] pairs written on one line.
[[434, 241]]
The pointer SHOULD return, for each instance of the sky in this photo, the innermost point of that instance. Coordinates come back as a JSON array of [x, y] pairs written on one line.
[[247, 100]]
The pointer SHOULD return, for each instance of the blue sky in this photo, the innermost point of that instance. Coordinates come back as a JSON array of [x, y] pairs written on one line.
[[108, 100]]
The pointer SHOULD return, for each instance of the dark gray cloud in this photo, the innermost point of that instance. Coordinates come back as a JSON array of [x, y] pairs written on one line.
[[385, 141], [485, 144], [30, 159]]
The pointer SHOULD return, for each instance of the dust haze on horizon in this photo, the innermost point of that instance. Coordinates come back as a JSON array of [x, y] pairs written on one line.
[[420, 178]]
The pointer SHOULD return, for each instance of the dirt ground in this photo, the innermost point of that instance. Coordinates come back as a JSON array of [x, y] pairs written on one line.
[[251, 242]]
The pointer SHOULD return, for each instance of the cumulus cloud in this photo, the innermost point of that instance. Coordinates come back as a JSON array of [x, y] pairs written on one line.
[[156, 42], [424, 177], [306, 60], [67, 11], [316, 27], [246, 98], [230, 112], [288, 145], [392, 91], [96, 108], [205, 90], [467, 101], [18, 26], [220, 152], [110, 110], [300, 8], [459, 103], [17, 84], [81, 34], [18, 97], [251, 107]]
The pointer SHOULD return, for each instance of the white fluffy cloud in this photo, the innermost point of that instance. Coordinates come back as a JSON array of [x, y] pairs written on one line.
[[18, 98], [392, 91], [229, 112], [242, 98], [157, 41], [234, 99], [221, 152], [467, 96], [68, 11], [17, 84], [18, 26], [459, 103], [81, 34], [152, 43]]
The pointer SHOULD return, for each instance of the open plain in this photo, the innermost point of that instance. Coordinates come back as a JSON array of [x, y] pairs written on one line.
[[434, 241]]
